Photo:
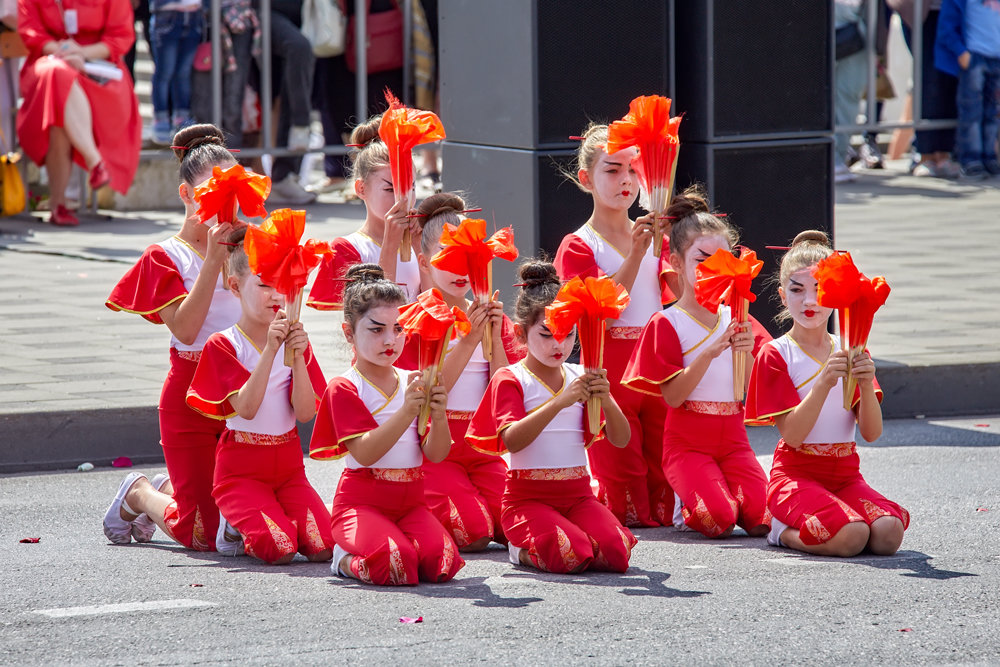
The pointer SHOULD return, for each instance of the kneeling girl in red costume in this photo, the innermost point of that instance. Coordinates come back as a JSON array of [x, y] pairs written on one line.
[[260, 485], [464, 490], [385, 533], [630, 481], [818, 499], [178, 282], [685, 355], [534, 409], [379, 238]]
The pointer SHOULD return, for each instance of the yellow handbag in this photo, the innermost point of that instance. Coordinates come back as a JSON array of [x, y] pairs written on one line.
[[12, 198]]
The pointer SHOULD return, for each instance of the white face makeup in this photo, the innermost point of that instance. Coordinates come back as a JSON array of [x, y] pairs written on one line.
[[377, 193], [378, 337], [543, 346], [701, 248], [799, 296], [613, 180], [259, 301]]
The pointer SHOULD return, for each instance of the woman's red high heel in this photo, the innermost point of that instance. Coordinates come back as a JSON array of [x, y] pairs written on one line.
[[99, 176], [63, 217]]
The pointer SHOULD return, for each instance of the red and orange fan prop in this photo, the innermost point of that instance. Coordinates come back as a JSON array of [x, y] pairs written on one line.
[[649, 127], [726, 279], [434, 324], [856, 297], [401, 130], [230, 189], [276, 255], [467, 252], [587, 303]]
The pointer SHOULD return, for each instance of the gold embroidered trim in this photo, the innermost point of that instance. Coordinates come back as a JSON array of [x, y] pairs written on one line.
[[837, 450], [549, 474], [625, 333], [248, 438], [714, 407], [459, 415], [396, 474], [188, 355]]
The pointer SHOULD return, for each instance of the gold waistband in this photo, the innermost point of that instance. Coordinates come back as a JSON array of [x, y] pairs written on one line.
[[394, 474], [835, 450], [549, 474], [714, 407], [625, 333], [248, 438], [188, 355], [459, 415]]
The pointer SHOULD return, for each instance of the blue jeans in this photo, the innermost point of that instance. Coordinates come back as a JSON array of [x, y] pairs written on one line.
[[978, 87], [174, 38]]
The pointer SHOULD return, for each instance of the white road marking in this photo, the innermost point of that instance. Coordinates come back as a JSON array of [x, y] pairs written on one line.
[[123, 608], [792, 560], [695, 567]]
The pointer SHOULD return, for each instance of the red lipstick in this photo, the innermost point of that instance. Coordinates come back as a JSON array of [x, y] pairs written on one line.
[[625, 193], [809, 313]]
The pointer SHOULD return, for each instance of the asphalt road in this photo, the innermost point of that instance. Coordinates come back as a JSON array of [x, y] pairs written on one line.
[[74, 599]]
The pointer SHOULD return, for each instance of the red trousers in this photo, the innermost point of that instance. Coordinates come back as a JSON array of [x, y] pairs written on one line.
[[820, 494], [562, 525], [630, 479], [189, 441], [464, 490], [263, 492], [380, 516], [709, 463]]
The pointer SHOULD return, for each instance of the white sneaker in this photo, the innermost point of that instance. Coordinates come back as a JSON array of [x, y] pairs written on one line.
[[288, 191], [143, 527], [843, 174], [228, 540], [117, 529], [338, 555], [774, 537], [298, 137]]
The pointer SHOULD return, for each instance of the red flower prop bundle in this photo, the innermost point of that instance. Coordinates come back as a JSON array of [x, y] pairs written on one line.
[[587, 303], [434, 323], [724, 278], [229, 189], [649, 127], [467, 252], [401, 130], [856, 298], [276, 255]]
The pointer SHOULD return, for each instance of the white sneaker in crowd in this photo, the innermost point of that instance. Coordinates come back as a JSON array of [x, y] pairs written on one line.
[[228, 540], [143, 527], [298, 137], [843, 174]]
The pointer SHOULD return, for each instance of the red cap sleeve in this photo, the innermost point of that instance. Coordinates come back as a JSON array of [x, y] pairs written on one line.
[[502, 406], [514, 348], [664, 271], [148, 287], [657, 357], [857, 391], [219, 375], [316, 378], [761, 336], [342, 415], [771, 390], [327, 292], [575, 258]]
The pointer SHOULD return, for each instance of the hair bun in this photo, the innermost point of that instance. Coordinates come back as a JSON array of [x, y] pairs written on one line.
[[535, 273], [812, 236], [365, 273], [366, 132], [692, 200], [193, 136], [437, 204]]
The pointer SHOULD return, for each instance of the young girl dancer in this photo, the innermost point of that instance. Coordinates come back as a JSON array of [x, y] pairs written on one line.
[[464, 490], [377, 242], [384, 531], [178, 282], [685, 356], [534, 410], [818, 499], [630, 482], [260, 481]]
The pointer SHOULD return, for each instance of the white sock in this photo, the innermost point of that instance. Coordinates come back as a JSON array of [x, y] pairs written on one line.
[[774, 537], [338, 555], [514, 553], [127, 509]]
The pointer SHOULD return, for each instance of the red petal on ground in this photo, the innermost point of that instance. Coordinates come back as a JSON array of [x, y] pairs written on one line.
[[122, 462], [31, 540], [407, 619]]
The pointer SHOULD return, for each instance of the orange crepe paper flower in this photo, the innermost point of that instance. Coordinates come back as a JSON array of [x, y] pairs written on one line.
[[586, 303], [276, 255], [228, 188], [401, 130], [725, 278], [649, 127], [856, 297], [430, 318], [467, 252]]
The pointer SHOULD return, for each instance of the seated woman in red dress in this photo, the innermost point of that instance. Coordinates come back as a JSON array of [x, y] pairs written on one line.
[[67, 116]]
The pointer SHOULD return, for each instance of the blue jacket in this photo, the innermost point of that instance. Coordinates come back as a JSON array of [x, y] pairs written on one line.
[[950, 41]]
